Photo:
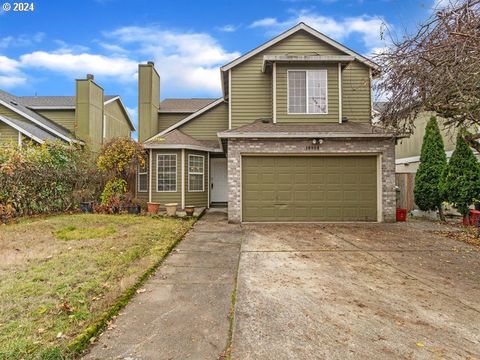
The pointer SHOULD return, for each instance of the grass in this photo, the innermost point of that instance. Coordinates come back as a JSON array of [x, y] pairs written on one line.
[[63, 277]]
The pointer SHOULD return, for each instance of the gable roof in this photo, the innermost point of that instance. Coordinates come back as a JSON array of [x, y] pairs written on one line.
[[54, 102], [123, 107], [188, 118], [311, 31], [184, 105], [17, 105], [28, 128]]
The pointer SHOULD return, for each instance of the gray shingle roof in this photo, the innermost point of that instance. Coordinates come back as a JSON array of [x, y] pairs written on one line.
[[53, 101], [31, 128], [176, 137], [46, 124], [184, 105]]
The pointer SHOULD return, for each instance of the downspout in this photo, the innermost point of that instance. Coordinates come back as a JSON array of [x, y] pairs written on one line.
[[230, 99], [150, 176], [208, 182], [183, 179], [274, 91], [340, 105]]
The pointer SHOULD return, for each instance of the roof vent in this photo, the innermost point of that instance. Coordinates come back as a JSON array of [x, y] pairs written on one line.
[[13, 102], [90, 77], [151, 63]]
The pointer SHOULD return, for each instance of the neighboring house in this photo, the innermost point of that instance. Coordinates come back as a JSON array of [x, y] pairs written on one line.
[[290, 139], [87, 118]]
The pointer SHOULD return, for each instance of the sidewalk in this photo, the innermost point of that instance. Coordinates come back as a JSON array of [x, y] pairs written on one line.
[[183, 312]]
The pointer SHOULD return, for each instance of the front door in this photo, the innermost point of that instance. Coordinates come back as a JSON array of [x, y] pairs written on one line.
[[218, 180]]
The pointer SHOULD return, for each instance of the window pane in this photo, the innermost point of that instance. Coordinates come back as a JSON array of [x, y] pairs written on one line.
[[317, 92], [142, 182], [167, 173], [196, 172], [297, 92]]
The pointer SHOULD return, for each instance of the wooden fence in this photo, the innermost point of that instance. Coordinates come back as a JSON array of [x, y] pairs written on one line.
[[405, 183]]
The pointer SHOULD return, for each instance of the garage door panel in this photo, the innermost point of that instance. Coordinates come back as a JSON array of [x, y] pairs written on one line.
[[309, 188]]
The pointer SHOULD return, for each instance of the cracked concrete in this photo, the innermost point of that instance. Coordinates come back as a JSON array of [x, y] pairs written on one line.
[[183, 312]]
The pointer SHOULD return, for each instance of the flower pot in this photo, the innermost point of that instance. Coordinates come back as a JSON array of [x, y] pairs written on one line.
[[86, 207], [115, 210], [171, 209], [152, 208], [134, 209], [189, 210]]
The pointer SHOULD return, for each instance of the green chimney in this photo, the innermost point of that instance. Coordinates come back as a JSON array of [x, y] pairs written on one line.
[[148, 100]]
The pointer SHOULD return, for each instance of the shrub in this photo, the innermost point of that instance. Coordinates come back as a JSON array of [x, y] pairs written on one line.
[[44, 178], [113, 191], [120, 157], [461, 179], [427, 192]]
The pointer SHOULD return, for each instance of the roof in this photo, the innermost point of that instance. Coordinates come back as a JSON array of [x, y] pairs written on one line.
[[44, 102], [311, 31], [191, 117], [176, 139], [264, 128], [17, 105], [184, 105], [29, 129]]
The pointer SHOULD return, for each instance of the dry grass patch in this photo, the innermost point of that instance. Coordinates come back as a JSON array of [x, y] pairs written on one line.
[[59, 274]]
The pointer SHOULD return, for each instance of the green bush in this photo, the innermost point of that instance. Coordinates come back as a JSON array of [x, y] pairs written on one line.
[[461, 179], [46, 178], [427, 192]]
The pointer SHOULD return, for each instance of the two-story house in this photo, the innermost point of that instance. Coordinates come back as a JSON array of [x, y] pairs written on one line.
[[89, 117], [290, 140]]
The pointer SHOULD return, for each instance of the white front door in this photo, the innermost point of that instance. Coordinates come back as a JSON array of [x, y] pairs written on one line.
[[218, 180]]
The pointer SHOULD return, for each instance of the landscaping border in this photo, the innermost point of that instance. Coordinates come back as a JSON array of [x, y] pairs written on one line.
[[84, 339]]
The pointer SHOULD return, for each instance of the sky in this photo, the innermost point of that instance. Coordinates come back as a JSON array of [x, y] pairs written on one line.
[[43, 51]]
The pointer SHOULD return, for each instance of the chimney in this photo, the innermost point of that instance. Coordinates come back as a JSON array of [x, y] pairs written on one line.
[[89, 111], [148, 100]]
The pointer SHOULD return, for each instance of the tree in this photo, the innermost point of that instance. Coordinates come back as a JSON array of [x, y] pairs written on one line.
[[461, 179], [435, 69], [427, 191]]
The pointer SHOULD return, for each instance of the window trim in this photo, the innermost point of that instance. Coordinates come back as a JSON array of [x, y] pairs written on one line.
[[138, 178], [196, 173], [176, 173], [306, 92]]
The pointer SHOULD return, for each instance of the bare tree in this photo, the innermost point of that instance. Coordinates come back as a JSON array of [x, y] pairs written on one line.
[[435, 69]]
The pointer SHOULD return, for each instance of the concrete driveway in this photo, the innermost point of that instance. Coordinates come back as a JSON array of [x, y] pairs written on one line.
[[371, 291]]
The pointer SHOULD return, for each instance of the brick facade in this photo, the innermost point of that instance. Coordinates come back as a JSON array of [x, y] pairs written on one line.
[[383, 147]]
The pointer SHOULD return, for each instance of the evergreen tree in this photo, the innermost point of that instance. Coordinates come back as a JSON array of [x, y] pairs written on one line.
[[427, 190], [461, 180]]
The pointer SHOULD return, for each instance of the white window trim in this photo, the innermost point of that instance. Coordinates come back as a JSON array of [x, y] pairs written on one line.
[[138, 179], [176, 173], [306, 92], [196, 173]]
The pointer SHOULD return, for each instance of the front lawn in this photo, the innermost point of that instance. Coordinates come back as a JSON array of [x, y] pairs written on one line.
[[58, 275]]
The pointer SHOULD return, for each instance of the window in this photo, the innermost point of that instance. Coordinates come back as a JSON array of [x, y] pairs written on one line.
[[307, 92], [167, 172], [142, 178], [196, 171]]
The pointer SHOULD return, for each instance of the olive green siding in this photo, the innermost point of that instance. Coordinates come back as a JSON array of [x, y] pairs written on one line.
[[332, 94], [8, 135], [207, 125], [166, 197], [89, 113], [9, 113], [165, 120], [252, 89], [65, 118], [412, 146], [148, 101], [196, 198], [116, 122], [356, 90], [309, 188]]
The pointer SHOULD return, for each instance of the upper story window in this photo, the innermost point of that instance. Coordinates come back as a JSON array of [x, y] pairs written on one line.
[[307, 92], [167, 172]]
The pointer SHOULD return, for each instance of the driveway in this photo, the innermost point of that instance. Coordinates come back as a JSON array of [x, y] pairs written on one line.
[[371, 291]]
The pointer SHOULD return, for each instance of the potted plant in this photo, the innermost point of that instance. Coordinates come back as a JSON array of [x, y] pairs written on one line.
[[189, 210], [171, 209], [84, 196], [131, 204], [153, 207]]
